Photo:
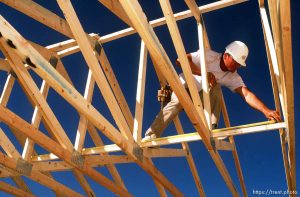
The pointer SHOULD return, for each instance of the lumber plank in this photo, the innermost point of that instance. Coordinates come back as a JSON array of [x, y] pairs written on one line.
[[112, 80], [140, 94], [190, 137], [164, 152], [234, 150], [194, 9], [285, 28], [41, 14], [4, 65], [111, 168], [190, 159], [155, 23], [204, 79], [82, 125], [13, 190], [178, 16], [180, 50], [282, 132]]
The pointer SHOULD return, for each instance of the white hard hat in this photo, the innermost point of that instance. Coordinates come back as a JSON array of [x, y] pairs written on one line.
[[239, 51]]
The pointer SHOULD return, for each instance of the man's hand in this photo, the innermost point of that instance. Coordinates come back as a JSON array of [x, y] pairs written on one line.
[[211, 80], [272, 115]]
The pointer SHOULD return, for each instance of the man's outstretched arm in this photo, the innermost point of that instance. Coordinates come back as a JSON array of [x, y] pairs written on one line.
[[257, 104]]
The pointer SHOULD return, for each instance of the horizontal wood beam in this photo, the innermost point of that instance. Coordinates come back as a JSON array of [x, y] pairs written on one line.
[[178, 16], [155, 23], [164, 152], [190, 137], [13, 190], [91, 161], [41, 14]]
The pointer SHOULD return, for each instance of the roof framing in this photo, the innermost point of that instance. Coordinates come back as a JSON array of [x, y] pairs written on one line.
[[23, 56]]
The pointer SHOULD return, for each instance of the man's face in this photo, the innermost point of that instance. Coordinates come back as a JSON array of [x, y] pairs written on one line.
[[230, 63]]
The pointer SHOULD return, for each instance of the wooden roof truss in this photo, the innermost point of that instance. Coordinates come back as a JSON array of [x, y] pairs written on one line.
[[22, 55]]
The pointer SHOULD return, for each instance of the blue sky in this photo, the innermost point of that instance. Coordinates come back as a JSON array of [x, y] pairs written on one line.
[[260, 154]]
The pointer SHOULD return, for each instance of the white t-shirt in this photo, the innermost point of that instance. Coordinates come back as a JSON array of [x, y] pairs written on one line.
[[228, 79]]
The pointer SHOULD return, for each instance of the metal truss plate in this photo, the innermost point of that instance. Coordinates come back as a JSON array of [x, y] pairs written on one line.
[[23, 167], [77, 158], [138, 152]]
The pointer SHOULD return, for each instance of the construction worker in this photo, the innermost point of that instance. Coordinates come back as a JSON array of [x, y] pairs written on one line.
[[222, 70]]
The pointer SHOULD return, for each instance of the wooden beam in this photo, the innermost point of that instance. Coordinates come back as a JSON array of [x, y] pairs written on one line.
[[180, 50], [164, 152], [36, 120], [82, 125], [275, 63], [90, 161], [13, 190], [155, 23], [140, 94], [190, 137], [194, 9], [101, 149], [283, 82], [41, 14], [139, 107], [234, 150], [113, 82], [178, 16], [111, 168], [282, 132], [10, 81], [190, 159], [4, 65], [135, 13], [204, 78], [285, 28], [96, 160]]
